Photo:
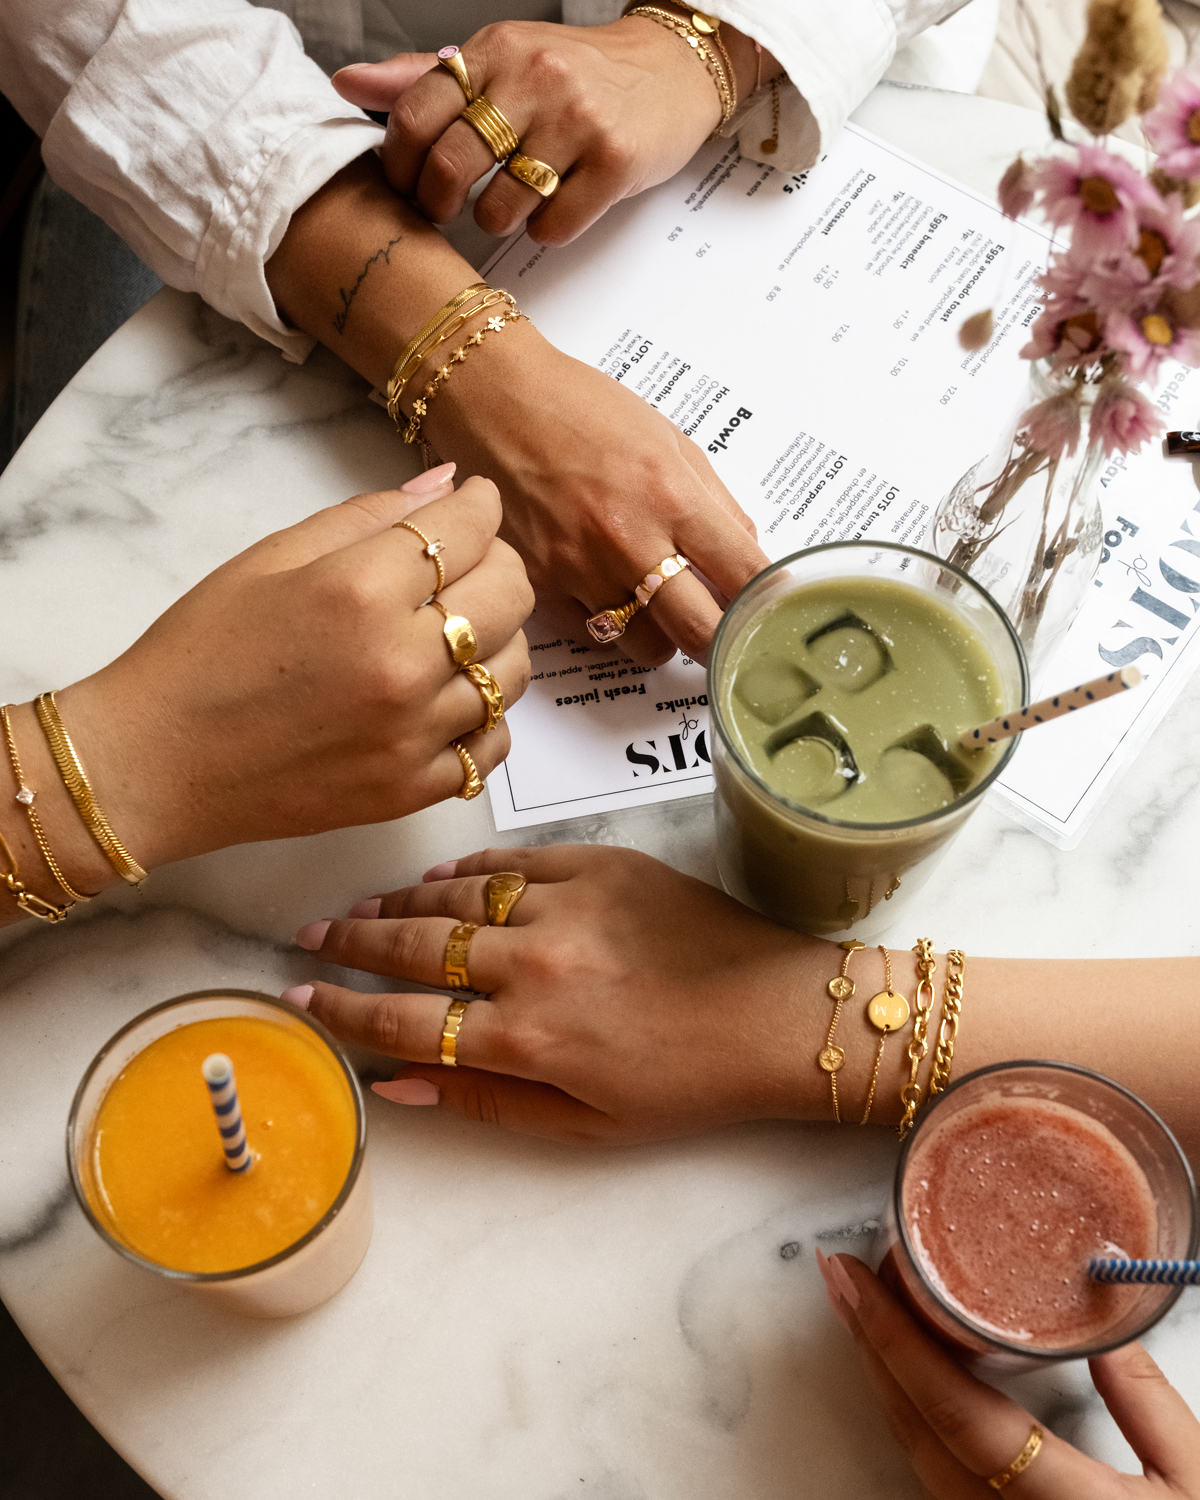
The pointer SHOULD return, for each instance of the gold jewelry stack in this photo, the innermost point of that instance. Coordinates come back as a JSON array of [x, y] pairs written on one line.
[[25, 796], [703, 35], [608, 624], [462, 645], [496, 131]]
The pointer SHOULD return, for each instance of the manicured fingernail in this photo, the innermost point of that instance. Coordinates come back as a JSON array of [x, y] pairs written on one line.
[[432, 479], [368, 908], [835, 1302], [408, 1091], [299, 995], [444, 871], [841, 1279], [312, 936]]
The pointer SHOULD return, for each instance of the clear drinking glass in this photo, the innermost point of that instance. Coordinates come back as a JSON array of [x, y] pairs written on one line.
[[800, 867], [1135, 1126], [306, 1273]]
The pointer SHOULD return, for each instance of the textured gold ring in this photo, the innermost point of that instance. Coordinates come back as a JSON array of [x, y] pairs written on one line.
[[486, 120], [450, 1027], [455, 960], [459, 635], [433, 551], [451, 59], [610, 623], [533, 173], [1033, 1446], [503, 892], [656, 577], [472, 784], [490, 691]]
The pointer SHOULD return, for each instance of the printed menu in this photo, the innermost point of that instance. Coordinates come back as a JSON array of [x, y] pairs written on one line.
[[802, 328]]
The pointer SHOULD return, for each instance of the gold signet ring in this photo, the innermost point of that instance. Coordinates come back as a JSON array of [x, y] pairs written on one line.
[[452, 60], [536, 174], [503, 893], [448, 1056], [455, 961], [459, 635]]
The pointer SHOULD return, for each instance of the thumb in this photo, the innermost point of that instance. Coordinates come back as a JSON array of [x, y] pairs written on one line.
[[496, 1099], [1156, 1421], [377, 86]]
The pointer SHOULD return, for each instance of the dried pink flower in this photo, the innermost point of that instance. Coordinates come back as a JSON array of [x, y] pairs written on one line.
[[1016, 190], [1096, 194], [1054, 425], [1068, 333], [1173, 126], [1145, 341], [1122, 419]]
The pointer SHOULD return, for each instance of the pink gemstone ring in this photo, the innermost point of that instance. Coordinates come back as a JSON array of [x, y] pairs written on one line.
[[610, 623], [452, 60]]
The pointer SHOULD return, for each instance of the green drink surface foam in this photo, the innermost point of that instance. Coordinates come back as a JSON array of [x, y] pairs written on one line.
[[847, 697]]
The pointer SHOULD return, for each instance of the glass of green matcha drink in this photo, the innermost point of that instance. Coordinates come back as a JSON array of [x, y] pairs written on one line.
[[840, 680]]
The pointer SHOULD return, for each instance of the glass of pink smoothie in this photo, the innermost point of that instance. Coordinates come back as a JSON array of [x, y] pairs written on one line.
[[1013, 1179]]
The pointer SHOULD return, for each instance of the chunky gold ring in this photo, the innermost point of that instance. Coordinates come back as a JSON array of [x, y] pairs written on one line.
[[451, 59], [459, 635], [486, 120], [610, 623], [656, 577], [432, 551], [489, 690], [455, 961], [454, 1019], [472, 784], [533, 173], [1033, 1446], [503, 893]]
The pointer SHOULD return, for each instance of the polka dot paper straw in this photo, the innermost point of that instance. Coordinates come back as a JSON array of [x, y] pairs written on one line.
[[218, 1074], [1138, 1272], [1006, 725]]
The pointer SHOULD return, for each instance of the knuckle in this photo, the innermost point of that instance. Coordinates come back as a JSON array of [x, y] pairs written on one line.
[[947, 1417], [502, 39], [615, 155], [444, 166], [383, 1027], [480, 1104], [402, 949]]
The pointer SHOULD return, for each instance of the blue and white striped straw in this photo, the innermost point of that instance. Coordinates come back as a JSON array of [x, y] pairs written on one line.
[[1157, 1272], [218, 1074]]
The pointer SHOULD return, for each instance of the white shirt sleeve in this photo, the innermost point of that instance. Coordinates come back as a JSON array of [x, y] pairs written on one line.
[[194, 128]]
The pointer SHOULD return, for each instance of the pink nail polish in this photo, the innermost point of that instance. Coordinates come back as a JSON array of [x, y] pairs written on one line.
[[431, 480], [368, 908], [839, 1311], [444, 871], [299, 995], [408, 1091], [841, 1279], [312, 936]]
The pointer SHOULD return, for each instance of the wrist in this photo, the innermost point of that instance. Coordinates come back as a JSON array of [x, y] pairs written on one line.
[[680, 69]]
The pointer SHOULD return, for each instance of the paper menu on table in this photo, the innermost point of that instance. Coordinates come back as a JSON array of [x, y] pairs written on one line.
[[803, 330]]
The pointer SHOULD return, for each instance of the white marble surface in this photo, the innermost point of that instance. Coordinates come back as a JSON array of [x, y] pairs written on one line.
[[530, 1322]]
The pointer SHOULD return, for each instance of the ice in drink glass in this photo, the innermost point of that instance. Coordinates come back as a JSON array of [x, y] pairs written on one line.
[[839, 681], [1012, 1180], [158, 1159]]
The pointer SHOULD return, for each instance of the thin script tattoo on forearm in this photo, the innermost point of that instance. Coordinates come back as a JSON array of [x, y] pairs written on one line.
[[385, 255]]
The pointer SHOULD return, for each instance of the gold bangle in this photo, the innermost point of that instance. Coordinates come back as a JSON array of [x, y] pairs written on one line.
[[910, 1094], [70, 768], [494, 129], [698, 41], [25, 796], [454, 961], [952, 992], [412, 433], [448, 1054], [831, 1058], [490, 691], [887, 1012], [30, 903]]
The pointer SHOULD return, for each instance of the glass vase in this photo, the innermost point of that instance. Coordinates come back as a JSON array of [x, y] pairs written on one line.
[[1027, 527]]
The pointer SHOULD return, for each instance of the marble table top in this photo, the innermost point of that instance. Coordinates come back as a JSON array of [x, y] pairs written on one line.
[[531, 1322]]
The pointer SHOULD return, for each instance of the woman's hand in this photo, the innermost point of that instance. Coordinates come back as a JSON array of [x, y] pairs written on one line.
[[305, 685], [613, 109], [958, 1432], [627, 1002]]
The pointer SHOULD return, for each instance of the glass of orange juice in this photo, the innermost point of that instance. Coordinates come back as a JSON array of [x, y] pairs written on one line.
[[148, 1166]]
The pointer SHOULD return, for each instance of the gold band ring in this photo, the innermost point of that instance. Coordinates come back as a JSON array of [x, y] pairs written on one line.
[[503, 892], [486, 120], [1033, 1446], [610, 623], [448, 1057], [432, 551], [459, 636], [472, 784], [489, 690], [451, 59], [533, 173], [656, 577], [455, 961]]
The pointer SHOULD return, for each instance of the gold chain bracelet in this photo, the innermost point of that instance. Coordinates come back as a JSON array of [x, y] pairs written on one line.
[[444, 325], [841, 987], [918, 1047], [717, 62], [75, 779], [25, 796], [512, 314], [887, 1012], [30, 903], [952, 992]]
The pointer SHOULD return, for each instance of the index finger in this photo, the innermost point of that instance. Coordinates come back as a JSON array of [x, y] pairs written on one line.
[[418, 118]]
